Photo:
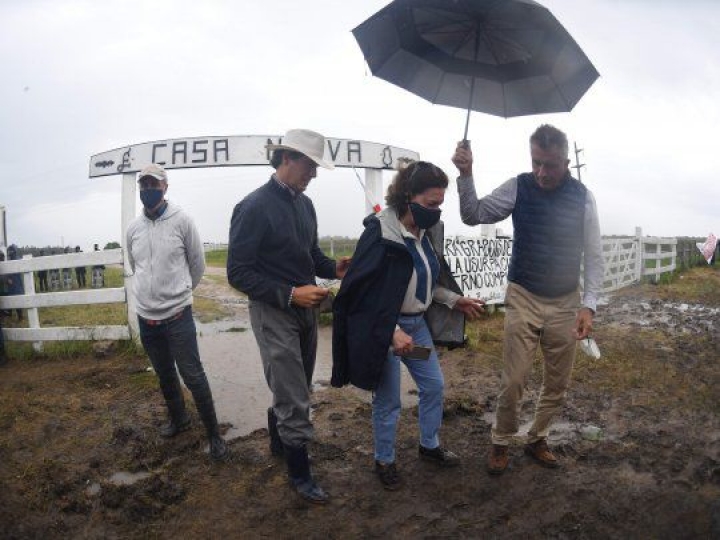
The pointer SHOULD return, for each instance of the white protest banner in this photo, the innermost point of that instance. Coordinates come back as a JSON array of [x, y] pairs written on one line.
[[480, 266], [708, 248]]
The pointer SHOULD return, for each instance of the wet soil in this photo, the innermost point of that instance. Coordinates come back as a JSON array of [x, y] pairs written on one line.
[[638, 440]]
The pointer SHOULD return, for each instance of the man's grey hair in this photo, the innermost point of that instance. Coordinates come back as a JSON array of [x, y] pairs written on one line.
[[547, 137]]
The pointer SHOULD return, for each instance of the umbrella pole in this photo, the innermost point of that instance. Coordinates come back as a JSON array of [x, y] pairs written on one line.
[[472, 92], [467, 120], [467, 123]]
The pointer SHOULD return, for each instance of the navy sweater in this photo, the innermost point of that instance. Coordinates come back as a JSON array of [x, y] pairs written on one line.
[[273, 245]]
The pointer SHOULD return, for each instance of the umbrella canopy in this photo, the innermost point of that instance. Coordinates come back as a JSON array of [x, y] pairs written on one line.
[[501, 57]]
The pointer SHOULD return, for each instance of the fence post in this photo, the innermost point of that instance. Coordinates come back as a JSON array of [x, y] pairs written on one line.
[[32, 313], [488, 230], [374, 187], [127, 209], [639, 254]]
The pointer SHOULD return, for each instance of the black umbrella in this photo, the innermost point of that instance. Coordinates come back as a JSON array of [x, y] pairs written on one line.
[[501, 57]]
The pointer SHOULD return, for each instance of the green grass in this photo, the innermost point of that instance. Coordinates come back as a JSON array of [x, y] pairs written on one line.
[[206, 310], [218, 258], [69, 349]]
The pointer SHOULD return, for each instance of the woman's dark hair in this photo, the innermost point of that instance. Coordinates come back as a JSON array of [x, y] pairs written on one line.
[[277, 156], [416, 178]]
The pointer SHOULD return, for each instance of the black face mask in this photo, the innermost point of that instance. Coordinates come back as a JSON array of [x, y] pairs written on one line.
[[424, 217], [151, 197]]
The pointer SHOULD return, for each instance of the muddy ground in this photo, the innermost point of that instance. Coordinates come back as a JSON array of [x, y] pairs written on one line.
[[80, 456]]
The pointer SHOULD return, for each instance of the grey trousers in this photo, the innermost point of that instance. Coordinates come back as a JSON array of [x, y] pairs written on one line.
[[287, 339]]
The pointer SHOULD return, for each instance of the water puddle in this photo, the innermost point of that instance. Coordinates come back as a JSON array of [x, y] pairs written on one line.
[[232, 363], [680, 318], [120, 478], [124, 478], [560, 431]]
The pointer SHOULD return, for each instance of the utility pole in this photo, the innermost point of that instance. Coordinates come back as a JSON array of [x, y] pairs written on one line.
[[578, 166]]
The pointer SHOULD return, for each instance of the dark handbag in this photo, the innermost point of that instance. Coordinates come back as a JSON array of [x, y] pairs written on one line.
[[447, 326]]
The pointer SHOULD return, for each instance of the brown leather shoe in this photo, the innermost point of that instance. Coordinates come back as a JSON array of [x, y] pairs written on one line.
[[540, 452], [498, 459]]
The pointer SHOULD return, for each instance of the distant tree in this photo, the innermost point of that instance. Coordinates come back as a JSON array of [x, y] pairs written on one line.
[[111, 245]]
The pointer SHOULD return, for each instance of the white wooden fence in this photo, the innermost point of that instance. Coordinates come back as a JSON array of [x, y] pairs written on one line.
[[632, 258], [32, 301], [627, 261]]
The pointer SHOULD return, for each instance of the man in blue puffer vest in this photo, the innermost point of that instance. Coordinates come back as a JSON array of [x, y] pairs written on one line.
[[556, 228]]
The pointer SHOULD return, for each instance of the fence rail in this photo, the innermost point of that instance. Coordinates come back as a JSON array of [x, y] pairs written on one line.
[[628, 260], [32, 301]]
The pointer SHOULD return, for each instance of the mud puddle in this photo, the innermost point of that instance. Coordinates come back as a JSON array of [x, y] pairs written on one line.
[[231, 359], [675, 317]]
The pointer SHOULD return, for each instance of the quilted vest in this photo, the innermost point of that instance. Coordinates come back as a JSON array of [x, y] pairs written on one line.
[[548, 236]]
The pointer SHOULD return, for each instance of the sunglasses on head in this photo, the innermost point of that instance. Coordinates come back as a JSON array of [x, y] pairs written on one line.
[[418, 165]]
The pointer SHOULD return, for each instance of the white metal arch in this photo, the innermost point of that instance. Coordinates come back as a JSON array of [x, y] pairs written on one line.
[[231, 151]]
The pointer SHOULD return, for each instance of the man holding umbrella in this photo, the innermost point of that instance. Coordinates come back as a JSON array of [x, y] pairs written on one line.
[[556, 228]]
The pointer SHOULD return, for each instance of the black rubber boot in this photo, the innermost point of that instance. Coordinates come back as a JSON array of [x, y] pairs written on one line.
[[218, 449], [178, 419], [301, 479], [276, 445]]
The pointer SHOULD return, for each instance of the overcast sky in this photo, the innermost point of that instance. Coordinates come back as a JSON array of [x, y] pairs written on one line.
[[82, 77]]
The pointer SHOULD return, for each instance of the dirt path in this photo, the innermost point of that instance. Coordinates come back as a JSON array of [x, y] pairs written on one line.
[[232, 360], [80, 456]]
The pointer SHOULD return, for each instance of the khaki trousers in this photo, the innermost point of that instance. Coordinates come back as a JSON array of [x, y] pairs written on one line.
[[532, 320]]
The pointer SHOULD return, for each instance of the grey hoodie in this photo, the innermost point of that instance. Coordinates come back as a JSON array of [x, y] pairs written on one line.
[[167, 258]]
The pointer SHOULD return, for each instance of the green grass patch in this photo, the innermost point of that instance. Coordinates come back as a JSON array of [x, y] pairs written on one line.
[[236, 329], [144, 380], [208, 310], [700, 284], [217, 258], [325, 319]]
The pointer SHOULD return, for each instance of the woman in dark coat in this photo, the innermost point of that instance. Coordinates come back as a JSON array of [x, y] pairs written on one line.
[[379, 314]]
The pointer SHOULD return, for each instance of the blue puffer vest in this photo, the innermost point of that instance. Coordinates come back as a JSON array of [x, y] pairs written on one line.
[[548, 238]]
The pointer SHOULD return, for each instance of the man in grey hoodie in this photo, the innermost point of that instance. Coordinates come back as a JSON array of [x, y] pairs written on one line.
[[166, 255]]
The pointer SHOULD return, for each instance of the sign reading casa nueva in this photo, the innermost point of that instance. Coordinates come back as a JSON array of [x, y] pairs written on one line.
[[238, 150]]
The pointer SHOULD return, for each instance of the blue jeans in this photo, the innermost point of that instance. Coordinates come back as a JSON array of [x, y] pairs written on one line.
[[386, 401], [173, 343]]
